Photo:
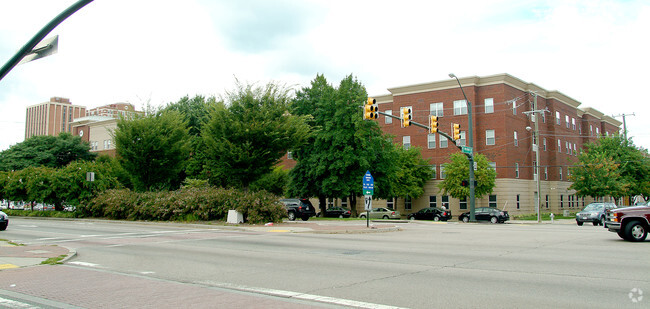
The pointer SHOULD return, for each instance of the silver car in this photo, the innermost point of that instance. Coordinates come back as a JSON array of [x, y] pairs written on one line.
[[381, 213], [594, 213]]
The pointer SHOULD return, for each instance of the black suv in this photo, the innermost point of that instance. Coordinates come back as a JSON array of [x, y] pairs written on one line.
[[299, 208]]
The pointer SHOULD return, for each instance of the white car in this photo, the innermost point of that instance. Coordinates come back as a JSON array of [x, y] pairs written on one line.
[[4, 221]]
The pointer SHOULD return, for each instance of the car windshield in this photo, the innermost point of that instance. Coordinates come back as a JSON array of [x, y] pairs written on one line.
[[593, 207]]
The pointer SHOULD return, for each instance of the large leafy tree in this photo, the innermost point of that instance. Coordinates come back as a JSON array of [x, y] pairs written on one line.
[[46, 150], [345, 146], [196, 113], [248, 134], [72, 186], [153, 149], [457, 171], [612, 166]]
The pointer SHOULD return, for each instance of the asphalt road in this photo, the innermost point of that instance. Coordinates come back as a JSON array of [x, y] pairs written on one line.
[[425, 265]]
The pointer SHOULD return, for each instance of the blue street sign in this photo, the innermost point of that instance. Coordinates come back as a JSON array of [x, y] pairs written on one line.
[[368, 184]]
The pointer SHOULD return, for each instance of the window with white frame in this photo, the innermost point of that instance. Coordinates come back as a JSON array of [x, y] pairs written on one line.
[[436, 109], [431, 140], [462, 141], [492, 201], [591, 130], [545, 172], [463, 202], [443, 175], [575, 149], [566, 145], [433, 172], [406, 142], [493, 165], [573, 123], [545, 144], [566, 118], [388, 120], [597, 131], [444, 142], [557, 117], [460, 107], [390, 203], [560, 173], [407, 203], [516, 141], [516, 170], [289, 155], [432, 201], [489, 105], [559, 145], [489, 137], [514, 107]]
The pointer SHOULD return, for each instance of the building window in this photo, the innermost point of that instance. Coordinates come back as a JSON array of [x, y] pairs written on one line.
[[489, 137], [514, 108], [406, 142], [573, 123], [516, 141], [492, 201], [432, 201], [460, 107], [463, 203], [559, 145], [516, 170], [407, 203], [544, 117], [344, 202], [546, 201], [566, 118], [445, 201], [388, 120], [431, 141], [545, 172], [518, 206], [442, 171], [567, 146], [493, 165], [443, 143], [289, 155], [561, 201], [557, 117], [433, 171], [560, 173], [462, 141], [489, 105], [436, 109], [545, 144], [597, 131], [591, 130], [390, 203], [330, 202], [575, 150]]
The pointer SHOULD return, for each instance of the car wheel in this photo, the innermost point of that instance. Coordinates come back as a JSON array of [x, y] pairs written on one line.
[[602, 221], [305, 218], [465, 219], [385, 217], [292, 216], [580, 223], [362, 216], [3, 226], [635, 231], [596, 223], [412, 218], [436, 218], [494, 220], [340, 216]]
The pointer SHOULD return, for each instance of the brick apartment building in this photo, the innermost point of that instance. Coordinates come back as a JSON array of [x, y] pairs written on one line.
[[52, 117], [503, 133]]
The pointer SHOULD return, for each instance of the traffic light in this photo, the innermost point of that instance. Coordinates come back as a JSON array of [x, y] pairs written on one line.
[[370, 109], [433, 124], [406, 117], [455, 128], [464, 183]]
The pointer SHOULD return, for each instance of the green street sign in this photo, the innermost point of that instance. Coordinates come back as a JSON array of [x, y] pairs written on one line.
[[467, 150]]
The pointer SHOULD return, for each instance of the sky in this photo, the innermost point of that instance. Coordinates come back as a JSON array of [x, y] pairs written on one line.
[[153, 52]]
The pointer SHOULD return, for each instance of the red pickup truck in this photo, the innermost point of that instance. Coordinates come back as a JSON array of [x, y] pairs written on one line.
[[630, 223]]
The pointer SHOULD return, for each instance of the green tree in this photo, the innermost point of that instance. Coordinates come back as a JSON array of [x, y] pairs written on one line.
[[274, 182], [612, 166], [196, 113], [39, 184], [345, 146], [247, 137], [412, 172], [72, 186], [46, 150], [153, 149], [457, 170]]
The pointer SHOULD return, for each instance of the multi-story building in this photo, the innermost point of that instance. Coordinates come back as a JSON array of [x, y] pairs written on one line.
[[52, 117], [503, 132], [97, 130], [111, 110]]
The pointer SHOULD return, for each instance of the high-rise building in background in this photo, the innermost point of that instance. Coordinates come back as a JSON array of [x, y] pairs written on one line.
[[52, 117]]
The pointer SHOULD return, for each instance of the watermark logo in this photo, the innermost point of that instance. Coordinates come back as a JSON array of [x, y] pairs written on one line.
[[635, 295]]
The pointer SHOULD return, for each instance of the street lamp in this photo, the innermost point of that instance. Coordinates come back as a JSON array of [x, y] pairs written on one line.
[[470, 156]]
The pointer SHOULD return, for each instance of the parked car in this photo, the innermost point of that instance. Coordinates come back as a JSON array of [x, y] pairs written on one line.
[[486, 214], [17, 205], [42, 207], [381, 213], [630, 223], [4, 221], [594, 213], [337, 212], [431, 213], [299, 208]]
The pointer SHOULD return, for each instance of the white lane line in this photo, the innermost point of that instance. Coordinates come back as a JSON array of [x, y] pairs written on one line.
[[8, 303], [299, 295], [84, 264]]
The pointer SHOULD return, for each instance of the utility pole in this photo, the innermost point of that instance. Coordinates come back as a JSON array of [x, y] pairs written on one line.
[[624, 127], [534, 113]]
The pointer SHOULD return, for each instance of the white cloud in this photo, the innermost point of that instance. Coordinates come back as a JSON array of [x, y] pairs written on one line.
[[158, 51]]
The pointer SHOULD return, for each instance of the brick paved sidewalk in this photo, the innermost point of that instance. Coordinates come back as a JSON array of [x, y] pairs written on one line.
[[100, 289]]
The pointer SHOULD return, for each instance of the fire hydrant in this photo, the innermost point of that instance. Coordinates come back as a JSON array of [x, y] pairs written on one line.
[[552, 217]]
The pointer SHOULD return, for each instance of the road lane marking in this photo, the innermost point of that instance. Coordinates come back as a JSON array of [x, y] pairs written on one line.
[[84, 264], [8, 303], [8, 266]]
